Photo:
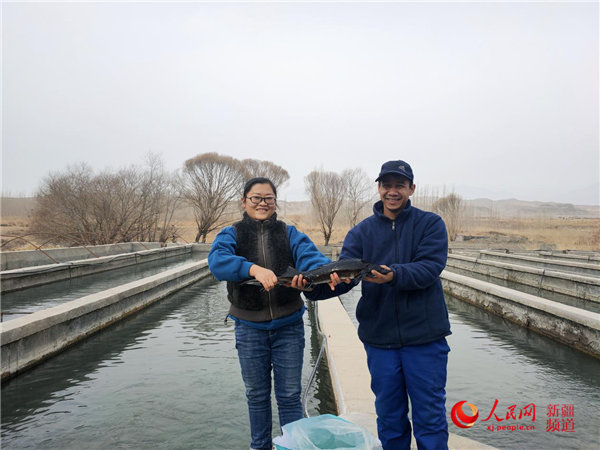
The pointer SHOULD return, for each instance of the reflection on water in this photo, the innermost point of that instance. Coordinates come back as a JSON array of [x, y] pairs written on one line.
[[493, 359], [168, 377], [52, 294]]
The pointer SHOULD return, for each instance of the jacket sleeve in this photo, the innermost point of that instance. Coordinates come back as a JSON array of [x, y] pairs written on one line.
[[352, 248], [224, 264], [305, 253], [429, 259], [307, 257]]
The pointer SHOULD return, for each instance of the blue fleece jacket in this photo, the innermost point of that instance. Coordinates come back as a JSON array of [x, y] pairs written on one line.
[[225, 265], [411, 309]]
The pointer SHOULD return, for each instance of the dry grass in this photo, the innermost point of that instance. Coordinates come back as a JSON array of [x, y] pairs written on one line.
[[540, 233], [514, 233], [12, 226]]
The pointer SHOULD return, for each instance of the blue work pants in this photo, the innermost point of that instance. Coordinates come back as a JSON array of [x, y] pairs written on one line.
[[259, 352], [417, 372]]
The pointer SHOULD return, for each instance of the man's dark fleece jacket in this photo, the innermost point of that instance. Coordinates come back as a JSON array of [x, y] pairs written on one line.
[[411, 309]]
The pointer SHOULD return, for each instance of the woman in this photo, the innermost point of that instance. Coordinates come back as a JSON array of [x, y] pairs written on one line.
[[269, 330]]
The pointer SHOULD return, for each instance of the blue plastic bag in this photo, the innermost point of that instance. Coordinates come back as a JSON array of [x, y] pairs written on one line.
[[325, 432]]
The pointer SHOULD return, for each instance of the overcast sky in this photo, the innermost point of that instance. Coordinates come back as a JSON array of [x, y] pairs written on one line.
[[495, 99]]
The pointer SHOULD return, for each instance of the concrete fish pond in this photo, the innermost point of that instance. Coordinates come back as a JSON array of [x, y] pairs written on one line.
[[149, 362]]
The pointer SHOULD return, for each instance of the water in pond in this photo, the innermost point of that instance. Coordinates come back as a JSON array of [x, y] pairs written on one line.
[[168, 377], [493, 359], [52, 294]]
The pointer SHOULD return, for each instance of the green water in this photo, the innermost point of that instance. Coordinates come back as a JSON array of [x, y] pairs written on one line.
[[168, 377], [491, 359], [52, 294]]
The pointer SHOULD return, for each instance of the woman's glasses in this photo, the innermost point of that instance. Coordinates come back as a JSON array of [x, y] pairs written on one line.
[[255, 200]]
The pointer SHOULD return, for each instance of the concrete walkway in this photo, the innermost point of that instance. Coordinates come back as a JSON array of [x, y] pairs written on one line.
[[350, 376]]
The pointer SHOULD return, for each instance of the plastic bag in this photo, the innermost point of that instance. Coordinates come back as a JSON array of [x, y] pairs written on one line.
[[325, 432]]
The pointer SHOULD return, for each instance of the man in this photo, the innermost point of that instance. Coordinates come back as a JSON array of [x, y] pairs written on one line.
[[402, 315]]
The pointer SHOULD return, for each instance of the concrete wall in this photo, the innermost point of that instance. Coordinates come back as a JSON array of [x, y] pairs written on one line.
[[572, 326], [26, 277], [26, 341], [581, 268], [28, 258], [590, 257], [543, 280]]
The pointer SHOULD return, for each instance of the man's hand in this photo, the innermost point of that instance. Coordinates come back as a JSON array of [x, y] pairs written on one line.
[[298, 282], [266, 277], [380, 278], [335, 280]]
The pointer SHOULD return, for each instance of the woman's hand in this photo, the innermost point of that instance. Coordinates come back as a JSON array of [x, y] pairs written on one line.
[[266, 277], [380, 278]]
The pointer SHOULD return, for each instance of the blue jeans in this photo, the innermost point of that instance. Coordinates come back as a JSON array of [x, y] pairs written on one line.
[[259, 351], [418, 372]]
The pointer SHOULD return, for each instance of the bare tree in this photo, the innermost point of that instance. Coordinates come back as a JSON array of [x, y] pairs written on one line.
[[359, 193], [63, 207], [209, 182], [327, 192], [159, 199], [169, 201], [425, 196], [255, 168], [451, 209], [79, 208]]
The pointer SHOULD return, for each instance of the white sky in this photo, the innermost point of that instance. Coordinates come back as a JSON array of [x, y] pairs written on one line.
[[496, 99]]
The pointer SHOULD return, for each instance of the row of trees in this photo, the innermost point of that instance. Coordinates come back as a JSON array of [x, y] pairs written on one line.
[[78, 207], [328, 191]]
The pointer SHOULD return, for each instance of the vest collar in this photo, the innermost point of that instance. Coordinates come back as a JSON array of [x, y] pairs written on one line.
[[270, 221]]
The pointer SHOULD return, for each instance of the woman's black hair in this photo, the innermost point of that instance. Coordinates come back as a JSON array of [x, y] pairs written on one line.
[[258, 180]]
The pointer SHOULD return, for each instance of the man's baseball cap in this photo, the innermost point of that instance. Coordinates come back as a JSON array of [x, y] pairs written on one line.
[[399, 168]]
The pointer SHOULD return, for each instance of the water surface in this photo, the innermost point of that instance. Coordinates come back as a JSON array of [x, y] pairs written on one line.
[[52, 294], [491, 359], [168, 377]]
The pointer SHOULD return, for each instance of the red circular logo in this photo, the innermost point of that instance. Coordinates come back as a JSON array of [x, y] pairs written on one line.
[[460, 419]]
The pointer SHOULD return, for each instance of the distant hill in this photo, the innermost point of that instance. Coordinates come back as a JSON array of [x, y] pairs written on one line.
[[585, 195], [484, 207], [480, 207]]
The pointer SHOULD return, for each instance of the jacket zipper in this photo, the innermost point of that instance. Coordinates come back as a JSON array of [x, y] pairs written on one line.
[[396, 302], [264, 252]]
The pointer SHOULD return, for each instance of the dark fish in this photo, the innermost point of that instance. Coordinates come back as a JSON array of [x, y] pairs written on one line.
[[352, 268]]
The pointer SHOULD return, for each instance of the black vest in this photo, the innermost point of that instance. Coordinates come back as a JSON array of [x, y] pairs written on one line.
[[267, 244]]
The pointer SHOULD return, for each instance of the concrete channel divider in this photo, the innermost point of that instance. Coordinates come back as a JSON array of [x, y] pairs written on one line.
[[28, 340], [26, 277], [27, 258], [350, 376], [544, 280], [591, 257], [572, 326], [581, 268]]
